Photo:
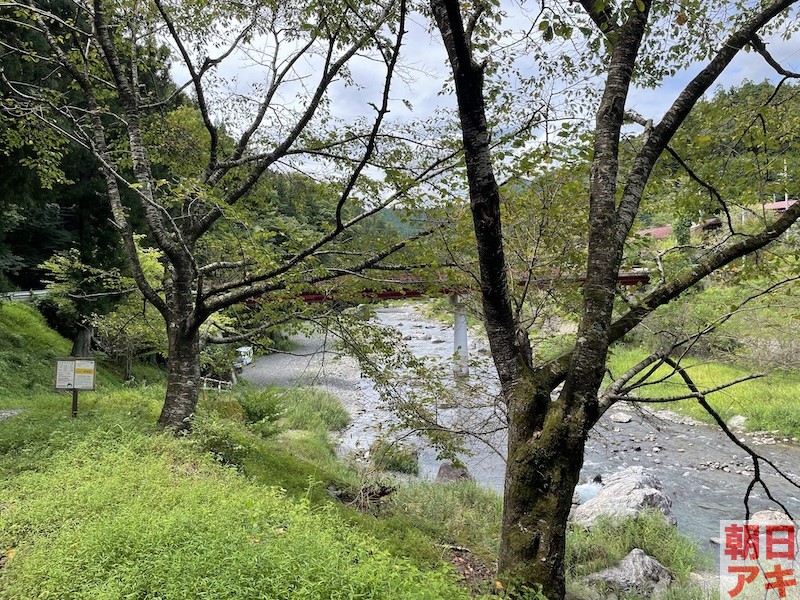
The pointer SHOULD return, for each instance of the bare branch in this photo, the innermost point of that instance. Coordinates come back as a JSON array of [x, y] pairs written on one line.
[[761, 48], [196, 78], [693, 395], [680, 109], [391, 64], [249, 287], [754, 456]]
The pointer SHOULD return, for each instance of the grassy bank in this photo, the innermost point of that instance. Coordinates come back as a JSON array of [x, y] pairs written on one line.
[[109, 506], [769, 403]]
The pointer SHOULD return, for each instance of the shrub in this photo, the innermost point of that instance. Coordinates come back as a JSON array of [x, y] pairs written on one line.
[[295, 408], [393, 456], [225, 439], [259, 405]]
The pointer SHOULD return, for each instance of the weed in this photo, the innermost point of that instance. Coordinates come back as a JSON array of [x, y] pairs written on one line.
[[394, 456], [608, 542]]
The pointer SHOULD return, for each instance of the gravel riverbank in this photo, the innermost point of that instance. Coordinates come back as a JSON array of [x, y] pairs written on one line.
[[703, 472]]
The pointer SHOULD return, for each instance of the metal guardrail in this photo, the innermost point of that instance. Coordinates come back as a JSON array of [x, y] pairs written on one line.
[[28, 296]]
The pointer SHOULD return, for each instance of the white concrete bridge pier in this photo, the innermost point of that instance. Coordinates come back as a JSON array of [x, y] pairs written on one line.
[[460, 348]]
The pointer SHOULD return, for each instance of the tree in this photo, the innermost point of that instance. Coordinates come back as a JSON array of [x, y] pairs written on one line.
[[626, 43], [217, 156]]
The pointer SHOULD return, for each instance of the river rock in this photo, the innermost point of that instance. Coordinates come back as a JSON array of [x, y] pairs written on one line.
[[626, 493], [620, 417], [637, 573], [767, 517], [707, 581], [736, 423], [449, 472]]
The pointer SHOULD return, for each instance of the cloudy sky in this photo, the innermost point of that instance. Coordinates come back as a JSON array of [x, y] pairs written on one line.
[[425, 53], [426, 73]]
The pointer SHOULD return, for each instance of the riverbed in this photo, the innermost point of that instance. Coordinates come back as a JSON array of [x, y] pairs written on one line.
[[701, 470]]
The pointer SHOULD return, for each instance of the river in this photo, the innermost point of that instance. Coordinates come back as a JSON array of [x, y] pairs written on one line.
[[701, 470]]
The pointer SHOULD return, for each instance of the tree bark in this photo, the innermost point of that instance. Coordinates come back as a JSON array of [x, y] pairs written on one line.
[[546, 438], [82, 342], [542, 470], [183, 378]]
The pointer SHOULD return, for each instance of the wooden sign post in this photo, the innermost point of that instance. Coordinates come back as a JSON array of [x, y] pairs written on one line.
[[74, 373]]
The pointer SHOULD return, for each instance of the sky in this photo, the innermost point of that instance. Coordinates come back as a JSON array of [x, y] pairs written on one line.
[[426, 72], [746, 66], [424, 51]]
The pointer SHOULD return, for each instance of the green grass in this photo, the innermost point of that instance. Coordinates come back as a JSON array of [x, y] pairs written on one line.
[[459, 513], [769, 403], [109, 506], [608, 542], [123, 514]]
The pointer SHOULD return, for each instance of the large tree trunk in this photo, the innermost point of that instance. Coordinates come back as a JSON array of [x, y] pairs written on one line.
[[183, 378], [545, 456], [82, 343]]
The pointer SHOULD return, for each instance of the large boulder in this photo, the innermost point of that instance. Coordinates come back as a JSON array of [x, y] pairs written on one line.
[[627, 493], [450, 472], [637, 572], [769, 517]]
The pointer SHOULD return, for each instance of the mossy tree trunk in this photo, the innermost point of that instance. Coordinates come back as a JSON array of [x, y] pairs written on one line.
[[544, 463]]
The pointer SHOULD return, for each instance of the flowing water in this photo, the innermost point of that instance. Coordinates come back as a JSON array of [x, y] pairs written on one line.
[[701, 470]]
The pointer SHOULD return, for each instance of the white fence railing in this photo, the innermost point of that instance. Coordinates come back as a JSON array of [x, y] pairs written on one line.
[[28, 296], [219, 385]]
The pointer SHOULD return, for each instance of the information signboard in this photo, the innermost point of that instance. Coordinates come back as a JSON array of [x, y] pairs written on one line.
[[75, 373]]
